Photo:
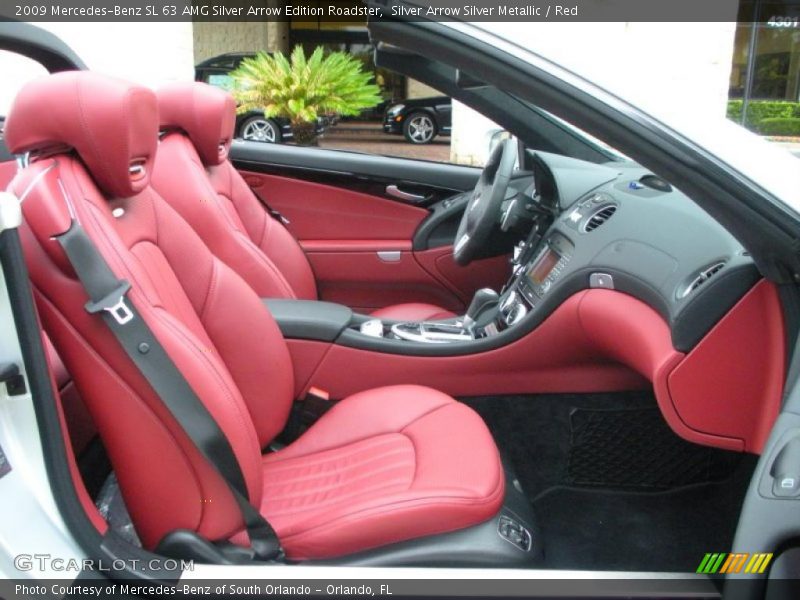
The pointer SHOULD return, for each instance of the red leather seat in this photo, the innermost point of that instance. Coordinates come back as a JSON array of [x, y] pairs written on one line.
[[382, 466], [192, 172]]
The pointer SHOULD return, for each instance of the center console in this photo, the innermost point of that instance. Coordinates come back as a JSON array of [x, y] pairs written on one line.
[[533, 281], [488, 314]]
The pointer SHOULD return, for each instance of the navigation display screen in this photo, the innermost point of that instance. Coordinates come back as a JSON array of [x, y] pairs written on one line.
[[543, 265]]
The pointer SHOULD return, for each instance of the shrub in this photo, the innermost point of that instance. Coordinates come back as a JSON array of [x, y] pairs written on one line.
[[780, 126], [759, 110], [302, 89]]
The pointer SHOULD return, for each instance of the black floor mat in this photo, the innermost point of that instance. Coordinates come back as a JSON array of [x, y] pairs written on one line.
[[613, 487], [635, 448]]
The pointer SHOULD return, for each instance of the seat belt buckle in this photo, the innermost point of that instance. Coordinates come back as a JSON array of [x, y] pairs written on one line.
[[315, 403], [114, 304]]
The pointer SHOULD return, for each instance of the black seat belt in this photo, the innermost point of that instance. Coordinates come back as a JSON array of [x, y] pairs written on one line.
[[275, 214], [107, 297]]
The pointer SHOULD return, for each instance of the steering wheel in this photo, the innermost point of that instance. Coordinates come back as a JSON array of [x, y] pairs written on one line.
[[483, 207]]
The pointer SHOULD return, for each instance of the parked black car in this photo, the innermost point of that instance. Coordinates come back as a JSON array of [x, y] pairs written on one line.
[[419, 120], [252, 125]]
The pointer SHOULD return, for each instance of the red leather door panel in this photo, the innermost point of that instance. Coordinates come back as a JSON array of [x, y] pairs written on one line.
[[360, 278], [359, 247], [324, 212]]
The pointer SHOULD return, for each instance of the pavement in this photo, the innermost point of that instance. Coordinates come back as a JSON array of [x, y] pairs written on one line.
[[791, 146], [370, 138]]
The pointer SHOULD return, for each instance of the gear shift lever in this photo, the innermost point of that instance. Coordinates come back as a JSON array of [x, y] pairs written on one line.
[[483, 299]]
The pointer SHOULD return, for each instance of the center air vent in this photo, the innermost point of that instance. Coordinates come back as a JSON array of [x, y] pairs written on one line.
[[701, 278], [598, 217]]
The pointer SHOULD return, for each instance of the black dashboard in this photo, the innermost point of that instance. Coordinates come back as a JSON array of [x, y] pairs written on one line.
[[633, 233], [614, 226]]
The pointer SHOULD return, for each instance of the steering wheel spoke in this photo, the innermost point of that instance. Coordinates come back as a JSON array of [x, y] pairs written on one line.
[[483, 209]]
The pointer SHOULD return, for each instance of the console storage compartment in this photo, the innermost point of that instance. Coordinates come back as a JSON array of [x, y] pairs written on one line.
[[309, 319]]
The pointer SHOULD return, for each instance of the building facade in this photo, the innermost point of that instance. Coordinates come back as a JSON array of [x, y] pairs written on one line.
[[694, 67]]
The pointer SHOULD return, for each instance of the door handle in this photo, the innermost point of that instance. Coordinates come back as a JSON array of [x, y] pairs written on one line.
[[396, 192]]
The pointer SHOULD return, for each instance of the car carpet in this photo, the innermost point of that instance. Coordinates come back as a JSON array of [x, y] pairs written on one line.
[[612, 486]]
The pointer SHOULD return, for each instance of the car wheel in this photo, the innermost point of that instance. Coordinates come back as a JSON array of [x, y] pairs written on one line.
[[260, 129], [420, 128]]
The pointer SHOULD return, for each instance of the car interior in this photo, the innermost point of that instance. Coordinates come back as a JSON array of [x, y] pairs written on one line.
[[263, 354]]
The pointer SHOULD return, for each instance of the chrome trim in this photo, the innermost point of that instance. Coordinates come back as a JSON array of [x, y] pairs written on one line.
[[396, 192], [421, 332], [595, 213], [701, 278], [389, 255], [601, 280]]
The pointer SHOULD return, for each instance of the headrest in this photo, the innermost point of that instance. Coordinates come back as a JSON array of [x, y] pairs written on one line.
[[111, 124], [203, 112]]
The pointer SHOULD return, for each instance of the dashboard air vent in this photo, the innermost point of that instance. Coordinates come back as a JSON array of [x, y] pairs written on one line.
[[599, 217], [702, 277]]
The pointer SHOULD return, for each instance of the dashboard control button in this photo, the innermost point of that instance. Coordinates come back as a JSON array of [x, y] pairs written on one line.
[[601, 280]]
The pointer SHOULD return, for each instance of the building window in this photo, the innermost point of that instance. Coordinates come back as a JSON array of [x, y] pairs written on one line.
[[775, 65]]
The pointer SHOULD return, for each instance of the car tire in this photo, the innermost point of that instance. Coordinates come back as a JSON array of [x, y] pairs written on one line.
[[260, 129], [420, 128]]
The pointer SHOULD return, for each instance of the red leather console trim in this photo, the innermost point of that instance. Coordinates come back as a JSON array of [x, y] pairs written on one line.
[[626, 330], [306, 356], [323, 212], [731, 383], [556, 356], [724, 393]]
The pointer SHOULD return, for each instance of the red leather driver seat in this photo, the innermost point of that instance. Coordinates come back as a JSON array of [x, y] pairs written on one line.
[[382, 466], [193, 173]]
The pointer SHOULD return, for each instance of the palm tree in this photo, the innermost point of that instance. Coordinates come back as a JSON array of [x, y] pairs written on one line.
[[302, 89]]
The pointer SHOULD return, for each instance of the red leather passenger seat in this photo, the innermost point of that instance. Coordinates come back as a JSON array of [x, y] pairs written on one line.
[[192, 172], [382, 466]]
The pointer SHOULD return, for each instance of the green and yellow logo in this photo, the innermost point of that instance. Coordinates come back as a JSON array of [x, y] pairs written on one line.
[[742, 562]]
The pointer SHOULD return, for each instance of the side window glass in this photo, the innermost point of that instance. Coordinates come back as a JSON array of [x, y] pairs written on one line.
[[220, 80]]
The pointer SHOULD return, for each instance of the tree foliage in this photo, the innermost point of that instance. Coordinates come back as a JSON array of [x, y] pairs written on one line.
[[301, 89]]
